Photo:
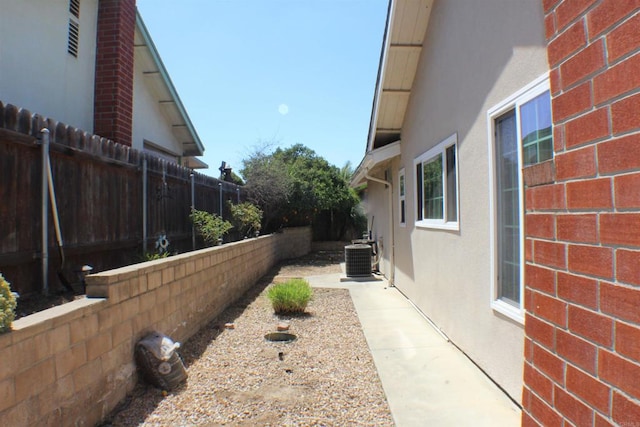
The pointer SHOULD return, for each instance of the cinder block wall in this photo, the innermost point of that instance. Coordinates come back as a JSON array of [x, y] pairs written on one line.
[[582, 276], [72, 364]]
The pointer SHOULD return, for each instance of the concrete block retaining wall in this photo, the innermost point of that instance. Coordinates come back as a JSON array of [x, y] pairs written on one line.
[[72, 364]]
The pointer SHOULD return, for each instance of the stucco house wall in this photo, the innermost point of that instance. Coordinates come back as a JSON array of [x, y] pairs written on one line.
[[470, 61], [95, 91], [36, 71], [377, 206]]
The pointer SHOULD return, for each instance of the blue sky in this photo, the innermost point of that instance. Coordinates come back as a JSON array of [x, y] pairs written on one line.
[[279, 72]]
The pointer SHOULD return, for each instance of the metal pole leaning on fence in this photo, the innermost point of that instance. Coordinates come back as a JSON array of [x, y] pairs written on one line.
[[193, 206], [45, 211]]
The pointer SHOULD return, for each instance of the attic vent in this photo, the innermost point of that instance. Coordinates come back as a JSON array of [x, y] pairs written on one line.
[[74, 37], [74, 8]]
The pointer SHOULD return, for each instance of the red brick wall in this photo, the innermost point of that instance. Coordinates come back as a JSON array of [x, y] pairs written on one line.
[[113, 104], [582, 278]]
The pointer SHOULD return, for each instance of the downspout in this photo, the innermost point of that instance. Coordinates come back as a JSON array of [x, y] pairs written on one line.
[[392, 260], [45, 211]]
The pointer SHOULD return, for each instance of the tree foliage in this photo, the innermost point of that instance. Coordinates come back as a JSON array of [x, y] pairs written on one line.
[[267, 185], [295, 186], [246, 218], [7, 305], [210, 226]]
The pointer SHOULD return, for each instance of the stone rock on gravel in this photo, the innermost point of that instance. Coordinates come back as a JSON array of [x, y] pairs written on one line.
[[283, 326]]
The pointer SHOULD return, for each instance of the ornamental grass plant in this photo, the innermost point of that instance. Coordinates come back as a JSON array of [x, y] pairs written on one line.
[[290, 297]]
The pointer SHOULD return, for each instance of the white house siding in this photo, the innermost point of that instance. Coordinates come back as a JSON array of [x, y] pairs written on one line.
[[476, 53], [36, 72], [149, 123]]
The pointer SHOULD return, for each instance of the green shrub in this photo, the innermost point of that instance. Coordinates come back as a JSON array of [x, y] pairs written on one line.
[[152, 256], [290, 297], [246, 217], [210, 226], [7, 305]]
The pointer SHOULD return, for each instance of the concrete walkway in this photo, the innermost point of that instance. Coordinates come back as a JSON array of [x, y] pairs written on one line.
[[427, 380]]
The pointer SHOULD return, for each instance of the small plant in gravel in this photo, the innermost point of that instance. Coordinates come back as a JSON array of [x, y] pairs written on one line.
[[290, 297], [7, 305]]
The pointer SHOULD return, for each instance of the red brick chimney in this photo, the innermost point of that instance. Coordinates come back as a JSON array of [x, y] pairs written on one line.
[[113, 100]]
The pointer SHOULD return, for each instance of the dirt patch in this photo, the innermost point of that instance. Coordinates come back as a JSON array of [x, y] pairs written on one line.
[[326, 377], [34, 303], [324, 258]]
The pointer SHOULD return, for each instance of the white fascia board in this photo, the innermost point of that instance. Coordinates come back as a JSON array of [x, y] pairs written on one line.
[[372, 159], [377, 95]]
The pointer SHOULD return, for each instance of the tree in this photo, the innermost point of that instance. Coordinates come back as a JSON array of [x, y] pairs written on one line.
[[268, 186], [295, 186], [246, 218]]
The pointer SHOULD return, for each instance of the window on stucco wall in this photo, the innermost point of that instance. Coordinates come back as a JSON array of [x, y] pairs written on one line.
[[520, 133], [437, 186]]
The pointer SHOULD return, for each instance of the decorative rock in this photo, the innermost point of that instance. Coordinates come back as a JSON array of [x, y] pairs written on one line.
[[229, 326], [283, 326]]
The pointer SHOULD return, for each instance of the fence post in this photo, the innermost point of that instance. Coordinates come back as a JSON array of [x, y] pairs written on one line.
[[193, 206], [144, 206], [45, 212]]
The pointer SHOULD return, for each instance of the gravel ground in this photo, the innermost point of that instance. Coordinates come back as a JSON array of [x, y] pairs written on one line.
[[236, 377]]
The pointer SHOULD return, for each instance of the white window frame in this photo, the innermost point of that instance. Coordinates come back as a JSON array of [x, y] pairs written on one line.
[[513, 102], [439, 149], [402, 197]]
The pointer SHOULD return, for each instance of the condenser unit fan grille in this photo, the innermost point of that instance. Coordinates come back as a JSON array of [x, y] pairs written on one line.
[[358, 260]]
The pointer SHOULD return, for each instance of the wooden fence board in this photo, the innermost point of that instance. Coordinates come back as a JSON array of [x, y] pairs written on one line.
[[98, 188]]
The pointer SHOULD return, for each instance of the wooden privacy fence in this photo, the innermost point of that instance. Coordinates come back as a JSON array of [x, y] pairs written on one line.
[[100, 188]]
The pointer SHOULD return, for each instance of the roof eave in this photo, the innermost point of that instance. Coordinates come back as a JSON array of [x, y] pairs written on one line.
[[373, 159], [405, 31], [199, 149], [381, 66]]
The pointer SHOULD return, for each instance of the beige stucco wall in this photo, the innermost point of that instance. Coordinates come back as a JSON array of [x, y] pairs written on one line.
[[476, 53], [376, 203], [36, 72]]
